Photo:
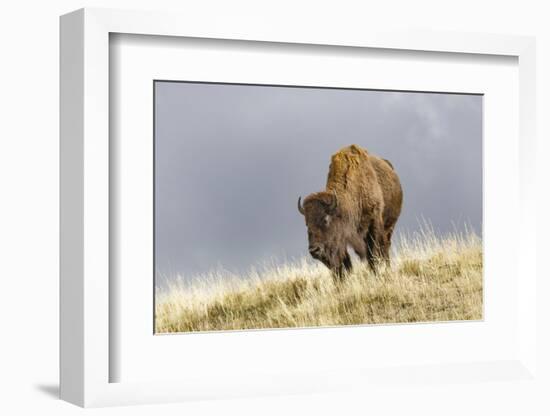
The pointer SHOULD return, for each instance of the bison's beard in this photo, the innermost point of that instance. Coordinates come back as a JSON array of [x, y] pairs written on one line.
[[331, 259]]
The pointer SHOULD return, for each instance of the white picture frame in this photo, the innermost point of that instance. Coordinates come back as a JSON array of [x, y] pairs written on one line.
[[86, 356]]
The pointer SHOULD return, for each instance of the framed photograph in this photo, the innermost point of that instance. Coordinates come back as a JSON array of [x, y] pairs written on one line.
[[231, 249], [267, 211]]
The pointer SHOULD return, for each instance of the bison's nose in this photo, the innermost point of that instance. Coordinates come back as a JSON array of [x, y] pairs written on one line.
[[315, 250]]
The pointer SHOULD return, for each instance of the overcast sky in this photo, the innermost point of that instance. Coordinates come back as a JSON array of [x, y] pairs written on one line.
[[231, 161]]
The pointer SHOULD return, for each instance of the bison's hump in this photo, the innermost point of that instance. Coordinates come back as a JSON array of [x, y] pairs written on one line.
[[353, 149]]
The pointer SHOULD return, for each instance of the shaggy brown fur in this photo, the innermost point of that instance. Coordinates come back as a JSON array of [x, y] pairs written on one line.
[[359, 208]]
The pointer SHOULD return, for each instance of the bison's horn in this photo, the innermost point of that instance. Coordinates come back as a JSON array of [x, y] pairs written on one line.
[[334, 203], [300, 207]]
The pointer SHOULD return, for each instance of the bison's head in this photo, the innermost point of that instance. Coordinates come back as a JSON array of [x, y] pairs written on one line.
[[324, 227]]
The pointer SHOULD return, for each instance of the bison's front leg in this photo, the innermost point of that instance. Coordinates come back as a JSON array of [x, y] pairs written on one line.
[[344, 266], [359, 245]]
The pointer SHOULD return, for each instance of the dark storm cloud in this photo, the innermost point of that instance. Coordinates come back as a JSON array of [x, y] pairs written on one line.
[[231, 161]]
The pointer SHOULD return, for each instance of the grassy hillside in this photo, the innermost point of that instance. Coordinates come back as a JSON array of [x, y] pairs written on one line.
[[430, 279]]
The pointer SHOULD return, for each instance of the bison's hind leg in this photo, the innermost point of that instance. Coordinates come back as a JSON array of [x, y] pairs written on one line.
[[389, 233], [377, 246], [371, 252]]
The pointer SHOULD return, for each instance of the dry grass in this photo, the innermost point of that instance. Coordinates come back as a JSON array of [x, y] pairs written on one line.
[[431, 279]]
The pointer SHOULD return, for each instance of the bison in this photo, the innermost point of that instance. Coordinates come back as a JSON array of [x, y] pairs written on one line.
[[359, 208]]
